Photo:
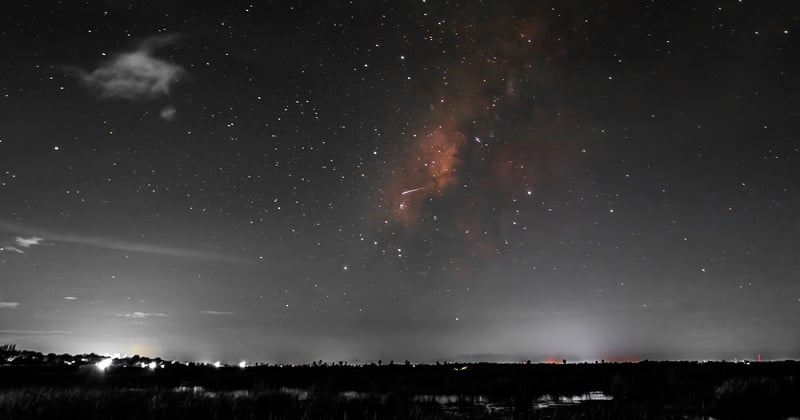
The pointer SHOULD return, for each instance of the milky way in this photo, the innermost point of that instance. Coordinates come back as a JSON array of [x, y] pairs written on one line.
[[484, 140]]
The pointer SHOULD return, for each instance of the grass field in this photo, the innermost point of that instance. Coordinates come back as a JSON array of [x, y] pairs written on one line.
[[579, 391]]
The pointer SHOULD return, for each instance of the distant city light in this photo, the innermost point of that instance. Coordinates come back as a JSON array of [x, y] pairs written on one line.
[[217, 364], [242, 364], [104, 364]]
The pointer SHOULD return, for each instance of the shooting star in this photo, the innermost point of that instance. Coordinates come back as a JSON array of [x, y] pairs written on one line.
[[411, 191]]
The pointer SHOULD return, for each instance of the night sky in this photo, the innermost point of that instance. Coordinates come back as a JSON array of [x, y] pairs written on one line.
[[288, 181]]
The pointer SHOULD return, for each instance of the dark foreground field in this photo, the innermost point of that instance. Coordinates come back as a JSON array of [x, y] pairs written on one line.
[[652, 390]]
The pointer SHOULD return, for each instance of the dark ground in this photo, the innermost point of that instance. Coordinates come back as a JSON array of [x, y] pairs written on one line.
[[768, 390]]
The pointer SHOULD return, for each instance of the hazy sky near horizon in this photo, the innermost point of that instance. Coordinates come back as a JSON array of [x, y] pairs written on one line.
[[424, 180]]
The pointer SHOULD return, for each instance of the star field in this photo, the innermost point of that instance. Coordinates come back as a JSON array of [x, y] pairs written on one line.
[[424, 180]]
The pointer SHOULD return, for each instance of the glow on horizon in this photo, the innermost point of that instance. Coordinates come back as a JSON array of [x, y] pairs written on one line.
[[104, 364]]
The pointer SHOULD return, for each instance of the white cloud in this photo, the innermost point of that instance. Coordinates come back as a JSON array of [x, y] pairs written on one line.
[[136, 74], [142, 315], [216, 312], [169, 113], [28, 242], [70, 298], [8, 305]]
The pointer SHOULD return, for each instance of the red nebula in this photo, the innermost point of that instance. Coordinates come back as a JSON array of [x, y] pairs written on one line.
[[430, 169]]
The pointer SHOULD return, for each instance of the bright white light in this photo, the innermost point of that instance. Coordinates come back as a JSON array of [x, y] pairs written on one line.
[[104, 364], [217, 364], [152, 365], [242, 364]]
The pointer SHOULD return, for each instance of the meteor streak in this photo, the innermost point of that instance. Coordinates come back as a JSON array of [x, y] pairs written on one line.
[[411, 191]]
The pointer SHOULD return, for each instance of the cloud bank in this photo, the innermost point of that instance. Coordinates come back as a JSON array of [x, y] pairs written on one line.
[[33, 332], [137, 74], [9, 305]]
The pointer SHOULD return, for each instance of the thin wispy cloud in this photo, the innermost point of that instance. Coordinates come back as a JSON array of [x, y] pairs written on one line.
[[11, 248], [216, 312], [136, 74], [9, 305], [142, 315], [109, 243], [70, 298], [32, 332]]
